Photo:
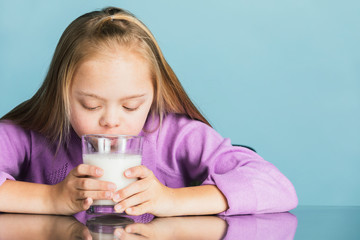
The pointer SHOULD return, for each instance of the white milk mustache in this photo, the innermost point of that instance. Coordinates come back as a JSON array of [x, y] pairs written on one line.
[[114, 166]]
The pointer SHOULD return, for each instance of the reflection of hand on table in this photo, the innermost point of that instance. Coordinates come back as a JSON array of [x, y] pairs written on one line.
[[196, 227], [256, 227], [25, 226]]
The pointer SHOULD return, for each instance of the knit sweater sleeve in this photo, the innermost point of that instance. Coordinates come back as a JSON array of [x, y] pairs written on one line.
[[249, 183], [15, 150]]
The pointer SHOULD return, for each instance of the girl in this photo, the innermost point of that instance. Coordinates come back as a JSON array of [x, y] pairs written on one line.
[[109, 76]]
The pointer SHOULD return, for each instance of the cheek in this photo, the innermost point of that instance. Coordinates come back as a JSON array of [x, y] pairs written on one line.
[[80, 122], [143, 116], [134, 124]]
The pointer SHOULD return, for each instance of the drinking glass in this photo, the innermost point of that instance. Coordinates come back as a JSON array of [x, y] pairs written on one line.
[[114, 154]]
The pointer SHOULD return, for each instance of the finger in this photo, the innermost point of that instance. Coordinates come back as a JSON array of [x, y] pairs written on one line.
[[138, 172], [120, 233], [139, 228], [87, 170], [93, 184], [81, 232], [95, 195], [85, 234], [130, 190], [132, 201], [86, 203]]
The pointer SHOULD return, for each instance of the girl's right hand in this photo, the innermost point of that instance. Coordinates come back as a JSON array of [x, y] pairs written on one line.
[[77, 191]]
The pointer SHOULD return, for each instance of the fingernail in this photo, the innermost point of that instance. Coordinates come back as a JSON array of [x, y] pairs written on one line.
[[118, 232], [88, 201], [127, 173], [99, 171], [117, 197], [108, 194], [118, 209]]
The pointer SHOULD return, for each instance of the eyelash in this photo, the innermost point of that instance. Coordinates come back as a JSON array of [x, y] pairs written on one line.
[[129, 109], [126, 108], [91, 109]]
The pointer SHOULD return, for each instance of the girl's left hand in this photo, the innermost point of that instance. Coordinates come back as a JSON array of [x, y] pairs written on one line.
[[146, 195]]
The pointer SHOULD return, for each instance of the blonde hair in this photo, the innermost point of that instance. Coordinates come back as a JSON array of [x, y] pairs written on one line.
[[47, 112]]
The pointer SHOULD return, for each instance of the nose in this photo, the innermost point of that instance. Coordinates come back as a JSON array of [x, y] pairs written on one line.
[[110, 119]]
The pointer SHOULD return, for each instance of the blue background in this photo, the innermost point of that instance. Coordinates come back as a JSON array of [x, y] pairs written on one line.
[[281, 76]]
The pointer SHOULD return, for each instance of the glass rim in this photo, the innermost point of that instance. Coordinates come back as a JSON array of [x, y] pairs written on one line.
[[111, 136]]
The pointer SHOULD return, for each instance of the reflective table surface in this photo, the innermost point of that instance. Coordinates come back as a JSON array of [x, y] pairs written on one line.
[[301, 223]]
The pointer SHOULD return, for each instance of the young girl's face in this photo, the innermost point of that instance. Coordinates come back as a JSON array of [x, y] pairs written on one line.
[[111, 93]]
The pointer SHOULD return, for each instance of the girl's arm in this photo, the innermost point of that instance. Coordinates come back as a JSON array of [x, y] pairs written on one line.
[[250, 184], [187, 151], [24, 197], [199, 200], [74, 194]]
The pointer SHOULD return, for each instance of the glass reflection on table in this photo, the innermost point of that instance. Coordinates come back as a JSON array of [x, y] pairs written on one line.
[[82, 226]]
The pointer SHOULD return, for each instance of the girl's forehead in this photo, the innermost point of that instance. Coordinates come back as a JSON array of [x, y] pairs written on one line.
[[120, 57], [113, 71]]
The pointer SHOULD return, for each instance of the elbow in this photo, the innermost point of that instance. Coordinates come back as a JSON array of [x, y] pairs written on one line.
[[289, 199], [283, 199], [293, 200]]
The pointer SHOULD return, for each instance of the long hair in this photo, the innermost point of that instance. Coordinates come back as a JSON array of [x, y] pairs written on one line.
[[48, 111]]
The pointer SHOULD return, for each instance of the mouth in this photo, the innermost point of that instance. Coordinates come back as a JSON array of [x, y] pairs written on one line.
[[107, 145]]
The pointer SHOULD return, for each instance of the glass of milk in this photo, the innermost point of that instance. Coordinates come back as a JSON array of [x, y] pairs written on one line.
[[114, 154]]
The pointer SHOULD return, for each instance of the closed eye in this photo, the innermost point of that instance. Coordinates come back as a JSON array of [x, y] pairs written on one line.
[[130, 109], [91, 108]]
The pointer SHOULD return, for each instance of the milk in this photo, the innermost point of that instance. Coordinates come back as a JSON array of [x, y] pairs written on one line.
[[114, 165]]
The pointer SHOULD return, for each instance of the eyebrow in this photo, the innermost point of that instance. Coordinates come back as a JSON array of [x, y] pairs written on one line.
[[86, 94]]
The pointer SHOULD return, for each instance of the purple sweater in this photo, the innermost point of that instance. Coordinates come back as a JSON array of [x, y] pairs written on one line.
[[180, 153]]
